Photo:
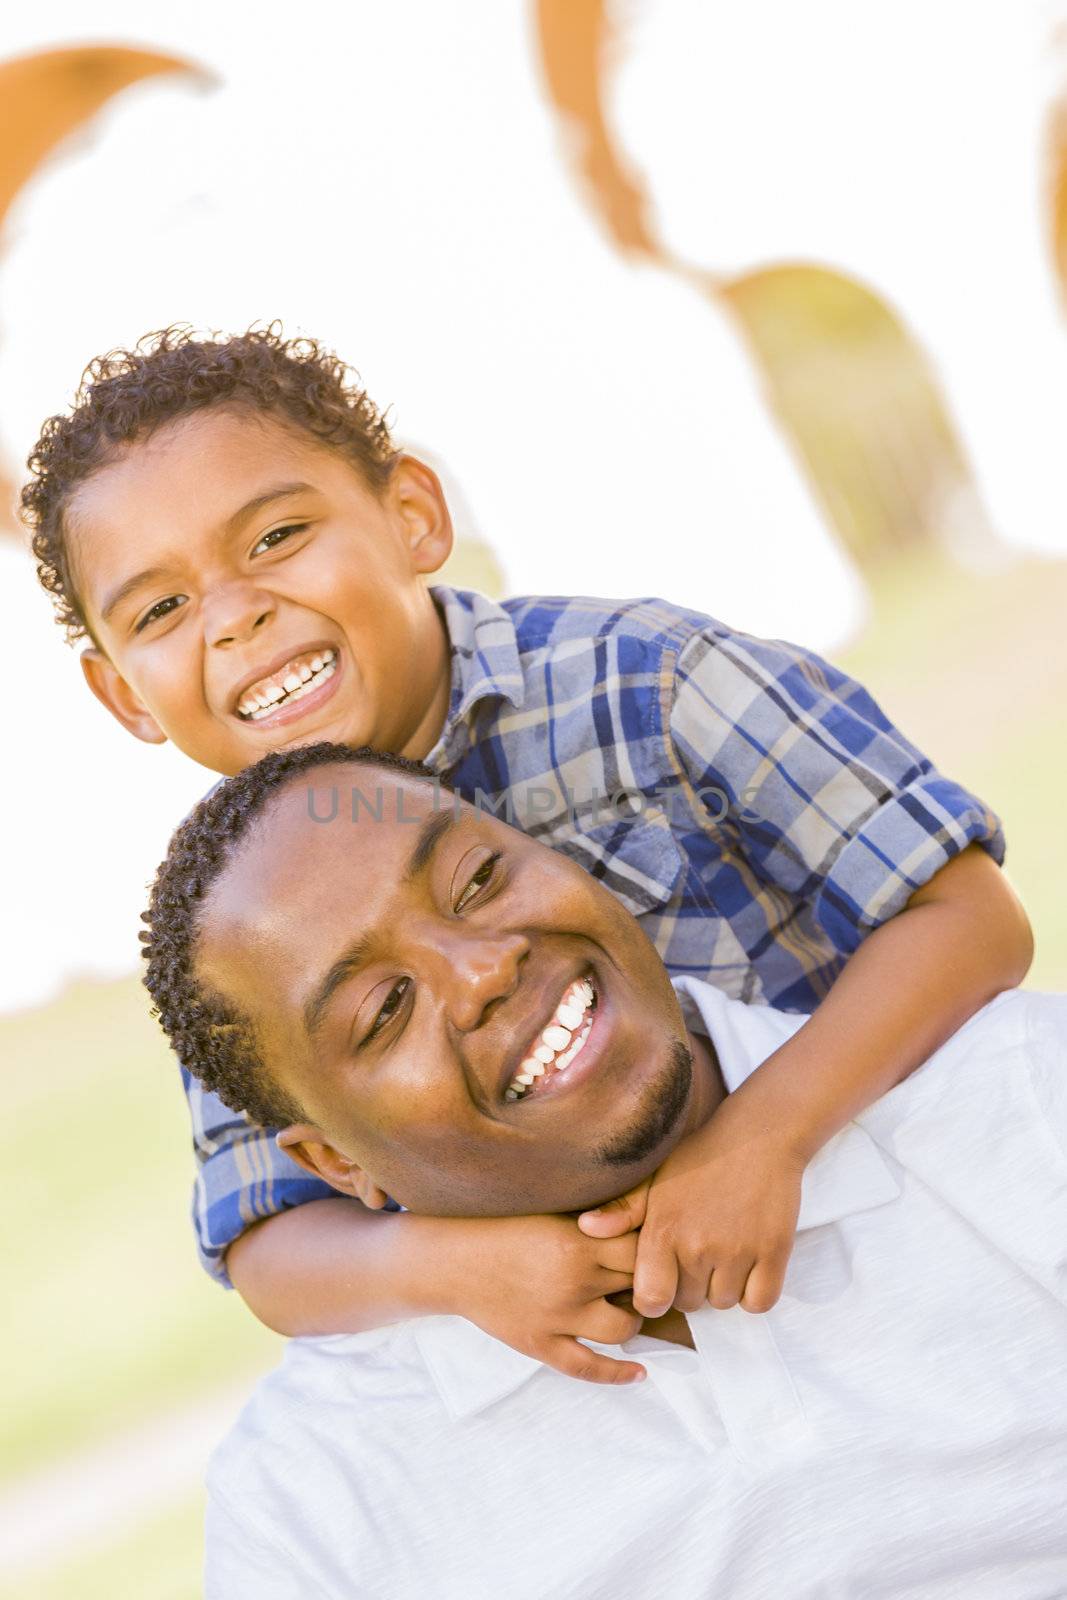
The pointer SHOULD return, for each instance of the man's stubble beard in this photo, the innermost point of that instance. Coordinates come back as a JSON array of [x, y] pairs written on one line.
[[664, 1102]]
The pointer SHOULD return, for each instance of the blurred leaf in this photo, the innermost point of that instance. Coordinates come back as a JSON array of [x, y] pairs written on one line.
[[855, 394], [44, 99], [577, 38]]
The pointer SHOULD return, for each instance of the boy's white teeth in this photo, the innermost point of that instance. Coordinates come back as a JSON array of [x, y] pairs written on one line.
[[302, 674], [561, 1040]]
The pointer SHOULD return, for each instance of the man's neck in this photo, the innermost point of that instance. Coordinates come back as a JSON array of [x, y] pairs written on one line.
[[709, 1090]]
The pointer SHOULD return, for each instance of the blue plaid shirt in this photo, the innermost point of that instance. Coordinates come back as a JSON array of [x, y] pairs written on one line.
[[750, 803]]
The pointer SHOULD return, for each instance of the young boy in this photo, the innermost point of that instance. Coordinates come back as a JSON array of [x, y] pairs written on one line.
[[230, 524]]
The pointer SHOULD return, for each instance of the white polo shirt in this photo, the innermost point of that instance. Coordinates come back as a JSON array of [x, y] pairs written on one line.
[[896, 1426]]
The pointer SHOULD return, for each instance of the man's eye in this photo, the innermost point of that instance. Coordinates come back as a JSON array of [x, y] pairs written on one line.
[[161, 608], [277, 536], [393, 1001], [478, 881]]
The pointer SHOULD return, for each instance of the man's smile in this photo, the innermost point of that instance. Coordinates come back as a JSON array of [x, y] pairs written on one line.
[[568, 1047]]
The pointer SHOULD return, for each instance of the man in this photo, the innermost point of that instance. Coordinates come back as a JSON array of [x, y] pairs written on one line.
[[896, 1426]]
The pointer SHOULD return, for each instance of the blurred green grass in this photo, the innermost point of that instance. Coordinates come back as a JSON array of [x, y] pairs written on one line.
[[160, 1559], [971, 665], [109, 1317]]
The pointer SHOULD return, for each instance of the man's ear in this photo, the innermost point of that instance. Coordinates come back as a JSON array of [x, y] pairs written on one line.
[[421, 502], [304, 1144], [112, 690]]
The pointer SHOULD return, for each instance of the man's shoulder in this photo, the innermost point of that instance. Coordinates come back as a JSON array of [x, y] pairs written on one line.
[[649, 624], [316, 1380]]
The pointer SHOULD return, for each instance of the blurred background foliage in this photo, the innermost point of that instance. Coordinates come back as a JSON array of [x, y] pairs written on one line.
[[109, 1319]]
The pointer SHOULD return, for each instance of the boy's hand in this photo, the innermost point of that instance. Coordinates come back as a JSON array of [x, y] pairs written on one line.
[[539, 1285], [717, 1220]]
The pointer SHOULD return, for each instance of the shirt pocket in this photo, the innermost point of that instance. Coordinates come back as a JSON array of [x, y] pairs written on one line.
[[639, 862]]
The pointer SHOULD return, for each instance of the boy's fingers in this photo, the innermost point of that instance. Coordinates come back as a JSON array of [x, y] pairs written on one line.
[[608, 1282], [609, 1324], [655, 1281], [576, 1360], [728, 1284], [764, 1286], [618, 1255], [617, 1216], [692, 1290]]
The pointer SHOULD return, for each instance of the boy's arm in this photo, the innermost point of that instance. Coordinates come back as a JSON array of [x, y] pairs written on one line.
[[536, 1283], [307, 1260], [831, 810], [720, 1215], [242, 1176], [961, 939]]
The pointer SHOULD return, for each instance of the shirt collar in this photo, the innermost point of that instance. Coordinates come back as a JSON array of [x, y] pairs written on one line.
[[485, 664], [472, 1370]]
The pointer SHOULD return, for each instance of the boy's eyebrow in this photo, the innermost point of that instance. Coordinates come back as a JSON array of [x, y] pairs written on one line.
[[117, 596], [279, 492], [355, 955]]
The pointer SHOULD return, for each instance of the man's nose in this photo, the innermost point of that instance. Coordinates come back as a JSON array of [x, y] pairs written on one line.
[[234, 611], [480, 970]]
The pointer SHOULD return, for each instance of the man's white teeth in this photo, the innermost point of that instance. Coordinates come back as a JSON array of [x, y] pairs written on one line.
[[302, 675], [561, 1040]]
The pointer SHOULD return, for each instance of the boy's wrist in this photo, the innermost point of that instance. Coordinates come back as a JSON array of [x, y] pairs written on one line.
[[431, 1249], [773, 1122]]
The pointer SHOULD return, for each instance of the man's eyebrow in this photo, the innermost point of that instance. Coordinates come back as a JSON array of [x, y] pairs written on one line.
[[347, 963], [433, 830], [355, 955]]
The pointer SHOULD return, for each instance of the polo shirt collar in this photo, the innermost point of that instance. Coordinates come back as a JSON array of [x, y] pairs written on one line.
[[472, 1370], [485, 664]]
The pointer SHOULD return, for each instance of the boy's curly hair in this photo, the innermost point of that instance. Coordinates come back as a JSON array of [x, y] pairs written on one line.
[[211, 1036], [128, 394]]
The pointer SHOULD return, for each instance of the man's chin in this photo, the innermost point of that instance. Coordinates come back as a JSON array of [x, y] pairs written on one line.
[[646, 1141]]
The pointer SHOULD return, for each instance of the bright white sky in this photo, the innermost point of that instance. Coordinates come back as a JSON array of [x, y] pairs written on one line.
[[387, 177]]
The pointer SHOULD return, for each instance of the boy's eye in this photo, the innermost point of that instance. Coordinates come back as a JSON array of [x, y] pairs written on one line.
[[161, 608], [478, 880], [393, 1001], [277, 536]]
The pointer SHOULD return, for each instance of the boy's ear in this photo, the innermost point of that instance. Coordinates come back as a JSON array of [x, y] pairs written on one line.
[[304, 1144], [112, 690], [422, 504]]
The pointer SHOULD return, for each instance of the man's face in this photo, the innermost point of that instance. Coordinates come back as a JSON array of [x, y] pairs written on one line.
[[249, 591], [400, 972]]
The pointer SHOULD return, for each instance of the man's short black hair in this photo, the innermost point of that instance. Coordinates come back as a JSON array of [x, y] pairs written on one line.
[[210, 1035], [126, 395]]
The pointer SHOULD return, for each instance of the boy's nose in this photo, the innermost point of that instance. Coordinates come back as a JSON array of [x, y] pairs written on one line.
[[234, 613]]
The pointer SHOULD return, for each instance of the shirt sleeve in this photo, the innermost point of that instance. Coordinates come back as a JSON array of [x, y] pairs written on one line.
[[241, 1176], [245, 1561], [828, 799]]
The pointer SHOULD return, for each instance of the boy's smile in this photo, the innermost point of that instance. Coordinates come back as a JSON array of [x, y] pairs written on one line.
[[248, 590]]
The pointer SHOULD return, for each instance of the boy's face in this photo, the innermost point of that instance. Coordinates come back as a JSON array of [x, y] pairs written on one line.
[[228, 560], [399, 970]]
